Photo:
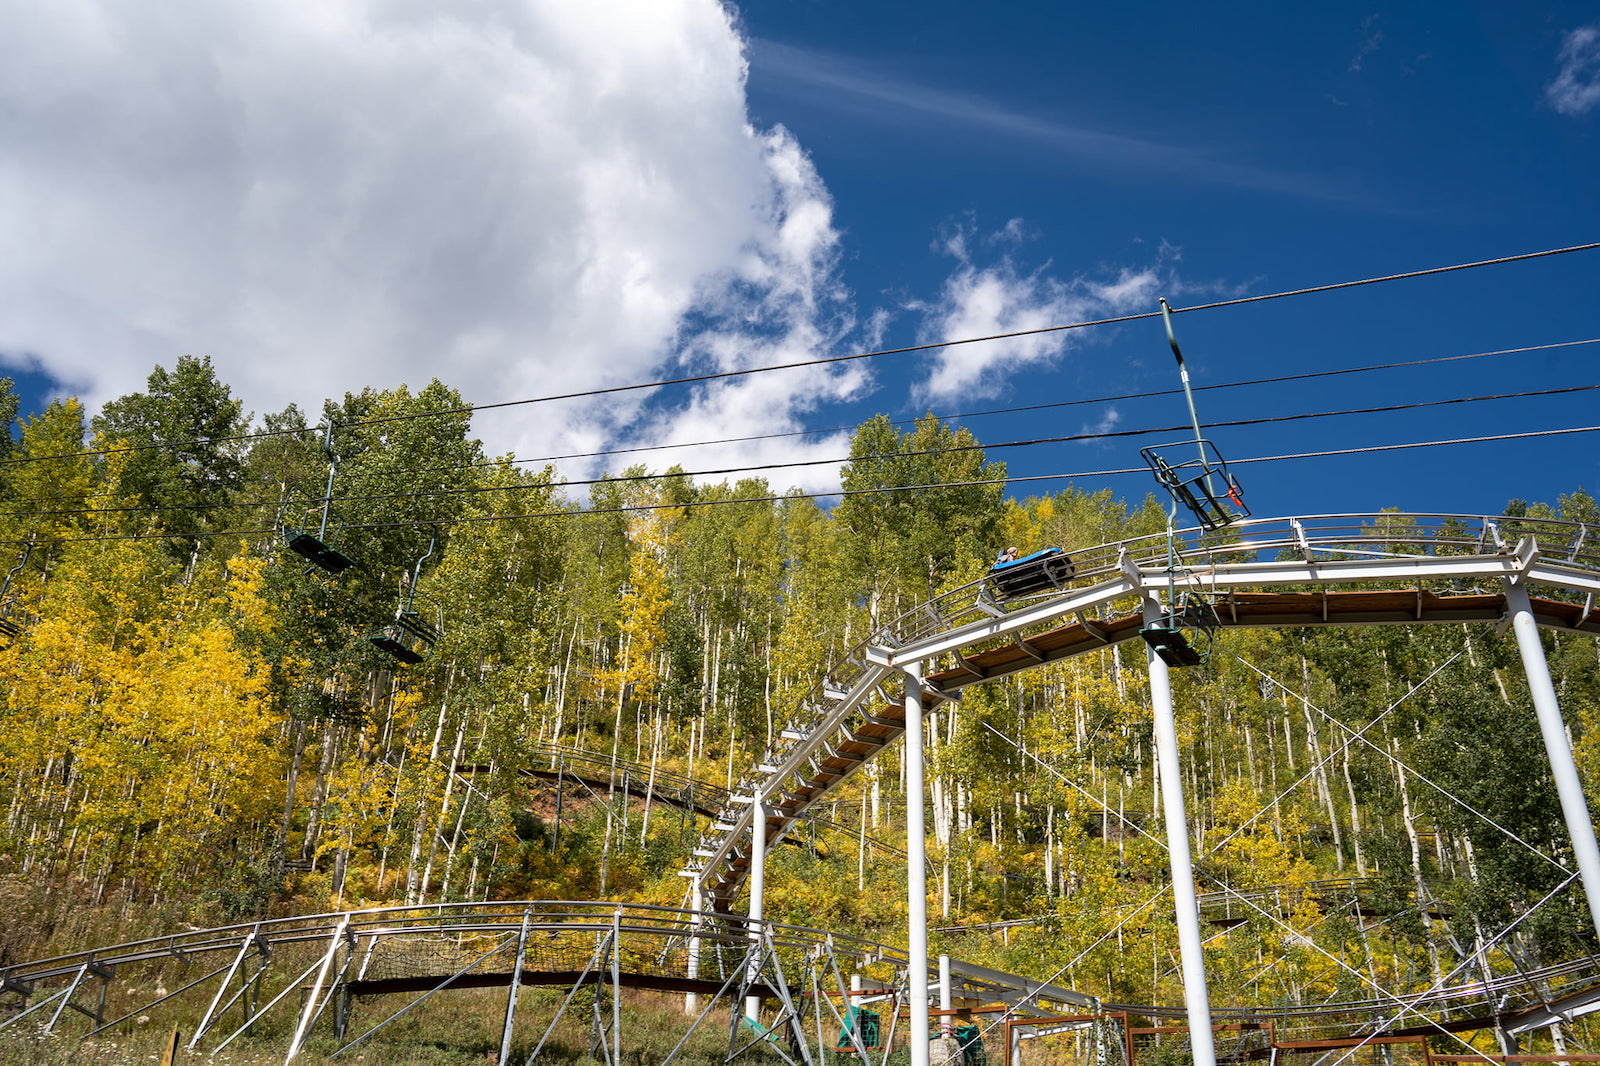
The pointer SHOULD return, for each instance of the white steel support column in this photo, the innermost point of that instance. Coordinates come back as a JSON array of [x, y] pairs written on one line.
[[1562, 767], [758, 891], [944, 995], [916, 871], [1195, 996], [697, 901]]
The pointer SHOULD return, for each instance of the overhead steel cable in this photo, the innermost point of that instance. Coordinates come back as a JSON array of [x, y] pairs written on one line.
[[932, 345], [826, 360], [357, 475], [574, 512], [888, 456]]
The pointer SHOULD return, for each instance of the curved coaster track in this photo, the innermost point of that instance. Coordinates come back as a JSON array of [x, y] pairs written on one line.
[[1377, 569]]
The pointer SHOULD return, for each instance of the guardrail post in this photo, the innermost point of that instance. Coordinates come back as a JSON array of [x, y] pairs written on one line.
[[1192, 954], [1562, 767], [916, 871]]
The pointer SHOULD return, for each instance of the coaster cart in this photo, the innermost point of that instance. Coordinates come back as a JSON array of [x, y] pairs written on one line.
[[411, 636], [1202, 485], [1047, 570], [314, 547]]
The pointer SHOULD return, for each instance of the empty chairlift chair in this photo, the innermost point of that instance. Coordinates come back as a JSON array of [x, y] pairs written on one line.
[[10, 629], [1202, 485], [1183, 638], [411, 636], [314, 547]]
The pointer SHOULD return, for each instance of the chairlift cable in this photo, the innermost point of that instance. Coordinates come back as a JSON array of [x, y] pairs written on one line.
[[840, 493], [720, 375], [690, 474], [1011, 410], [1237, 301]]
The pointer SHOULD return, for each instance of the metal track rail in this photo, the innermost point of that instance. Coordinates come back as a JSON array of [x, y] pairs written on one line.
[[1432, 568]]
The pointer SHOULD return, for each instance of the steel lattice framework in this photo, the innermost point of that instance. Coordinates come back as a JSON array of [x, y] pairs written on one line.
[[1373, 569], [1308, 571]]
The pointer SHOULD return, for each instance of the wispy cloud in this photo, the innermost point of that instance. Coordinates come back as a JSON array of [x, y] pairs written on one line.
[[1575, 89], [1371, 40], [853, 81], [985, 300]]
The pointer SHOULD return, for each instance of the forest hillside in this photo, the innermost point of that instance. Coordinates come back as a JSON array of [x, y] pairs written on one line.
[[198, 728]]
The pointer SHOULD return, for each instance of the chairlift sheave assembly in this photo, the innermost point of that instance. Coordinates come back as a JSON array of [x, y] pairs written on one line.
[[314, 548], [1201, 484], [1184, 636], [411, 636]]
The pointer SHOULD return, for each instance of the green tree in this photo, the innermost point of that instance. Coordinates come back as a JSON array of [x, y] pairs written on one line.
[[185, 463]]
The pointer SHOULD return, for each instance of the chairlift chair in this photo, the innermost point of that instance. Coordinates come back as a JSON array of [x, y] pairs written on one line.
[[1202, 484], [11, 631], [1044, 571], [410, 637], [314, 548]]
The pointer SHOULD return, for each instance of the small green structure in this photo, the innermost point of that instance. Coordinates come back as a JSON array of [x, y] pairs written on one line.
[[867, 1021], [970, 1037]]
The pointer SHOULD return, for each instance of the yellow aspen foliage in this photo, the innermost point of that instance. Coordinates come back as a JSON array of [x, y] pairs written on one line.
[[136, 726]]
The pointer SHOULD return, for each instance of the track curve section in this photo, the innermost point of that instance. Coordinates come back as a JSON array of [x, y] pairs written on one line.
[[1352, 569]]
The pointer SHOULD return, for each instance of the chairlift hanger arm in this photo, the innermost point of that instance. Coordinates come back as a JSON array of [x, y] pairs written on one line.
[[1183, 373]]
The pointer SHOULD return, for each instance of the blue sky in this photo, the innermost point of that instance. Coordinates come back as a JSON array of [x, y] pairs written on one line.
[[528, 199], [1269, 147]]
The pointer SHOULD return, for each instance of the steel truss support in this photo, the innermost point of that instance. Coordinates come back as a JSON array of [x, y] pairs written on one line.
[[211, 1011], [313, 1008], [611, 1051], [1562, 767], [516, 981], [89, 969], [604, 943], [1191, 952], [763, 961], [854, 1024]]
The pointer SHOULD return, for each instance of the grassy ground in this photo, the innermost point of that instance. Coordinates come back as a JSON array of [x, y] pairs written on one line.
[[452, 1029]]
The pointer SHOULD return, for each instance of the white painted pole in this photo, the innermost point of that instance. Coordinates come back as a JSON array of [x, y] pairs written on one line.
[[697, 900], [916, 871], [944, 995], [1195, 996], [758, 890], [1562, 767]]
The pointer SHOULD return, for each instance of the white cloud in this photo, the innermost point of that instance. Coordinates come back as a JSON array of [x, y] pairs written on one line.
[[521, 199], [986, 301], [870, 86], [1575, 89]]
